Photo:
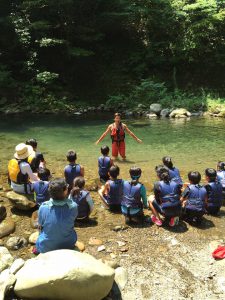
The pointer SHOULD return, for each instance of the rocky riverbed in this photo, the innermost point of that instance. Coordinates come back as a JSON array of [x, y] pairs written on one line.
[[160, 263]]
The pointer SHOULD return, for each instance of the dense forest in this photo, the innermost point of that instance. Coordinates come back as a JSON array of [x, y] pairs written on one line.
[[62, 52]]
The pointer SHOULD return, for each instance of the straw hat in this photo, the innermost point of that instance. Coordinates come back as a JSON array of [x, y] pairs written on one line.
[[23, 151]]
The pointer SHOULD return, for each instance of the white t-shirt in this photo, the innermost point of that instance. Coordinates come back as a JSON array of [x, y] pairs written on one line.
[[25, 169]]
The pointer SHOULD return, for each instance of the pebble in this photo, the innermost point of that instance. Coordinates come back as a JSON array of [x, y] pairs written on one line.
[[94, 242], [6, 227], [121, 244], [119, 227], [16, 242], [101, 248], [33, 237], [124, 249], [80, 246], [3, 212], [113, 255]]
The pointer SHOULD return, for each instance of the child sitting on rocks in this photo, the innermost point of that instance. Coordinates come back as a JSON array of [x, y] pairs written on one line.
[[82, 198], [72, 170], [134, 197], [41, 193], [166, 199], [214, 192], [112, 192], [174, 172], [56, 219], [104, 164], [194, 199]]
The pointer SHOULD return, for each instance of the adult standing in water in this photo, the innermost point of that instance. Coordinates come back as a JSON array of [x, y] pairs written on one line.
[[117, 131]]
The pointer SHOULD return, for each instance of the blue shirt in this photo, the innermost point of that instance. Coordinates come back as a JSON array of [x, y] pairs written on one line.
[[56, 219]]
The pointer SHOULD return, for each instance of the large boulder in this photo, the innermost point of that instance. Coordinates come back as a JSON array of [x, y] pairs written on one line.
[[6, 227], [165, 112], [180, 113], [6, 258], [156, 108], [64, 274], [22, 202], [7, 280]]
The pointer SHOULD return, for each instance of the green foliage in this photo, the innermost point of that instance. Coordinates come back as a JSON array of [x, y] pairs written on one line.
[[46, 77]]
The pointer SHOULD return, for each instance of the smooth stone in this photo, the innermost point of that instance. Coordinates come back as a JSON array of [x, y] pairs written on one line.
[[165, 112], [101, 248], [20, 201], [6, 227], [34, 220], [152, 116], [17, 265], [94, 242], [6, 258], [64, 274], [16, 242], [156, 108], [33, 237], [80, 246], [180, 113], [121, 243], [3, 212], [7, 281], [121, 277]]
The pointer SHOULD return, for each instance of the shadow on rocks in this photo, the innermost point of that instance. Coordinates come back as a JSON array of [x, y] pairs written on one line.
[[115, 293], [86, 223], [19, 212], [180, 228]]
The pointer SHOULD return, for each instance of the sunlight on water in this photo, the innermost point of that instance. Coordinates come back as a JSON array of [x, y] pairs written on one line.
[[193, 144]]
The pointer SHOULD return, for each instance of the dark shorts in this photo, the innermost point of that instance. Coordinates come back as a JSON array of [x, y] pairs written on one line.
[[213, 210], [112, 207], [168, 212]]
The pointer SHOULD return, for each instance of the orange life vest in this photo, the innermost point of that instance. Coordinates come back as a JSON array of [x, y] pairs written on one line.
[[118, 134]]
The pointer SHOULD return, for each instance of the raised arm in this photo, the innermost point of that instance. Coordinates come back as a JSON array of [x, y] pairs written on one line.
[[132, 134], [103, 135]]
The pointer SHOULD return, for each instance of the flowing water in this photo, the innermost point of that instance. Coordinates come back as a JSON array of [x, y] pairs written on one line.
[[193, 144]]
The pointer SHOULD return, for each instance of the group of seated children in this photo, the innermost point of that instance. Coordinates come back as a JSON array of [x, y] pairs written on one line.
[[62, 201]]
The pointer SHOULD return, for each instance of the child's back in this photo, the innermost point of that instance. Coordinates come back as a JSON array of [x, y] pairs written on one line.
[[41, 187], [72, 170], [104, 164], [195, 195], [115, 193]]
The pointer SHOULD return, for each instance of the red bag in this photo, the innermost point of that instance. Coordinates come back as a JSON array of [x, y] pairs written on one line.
[[219, 253]]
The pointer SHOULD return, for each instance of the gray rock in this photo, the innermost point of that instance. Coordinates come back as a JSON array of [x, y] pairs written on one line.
[[3, 212], [16, 242], [7, 281], [121, 277], [156, 108], [165, 112], [64, 274], [129, 113], [6, 227], [22, 202], [6, 258], [16, 266]]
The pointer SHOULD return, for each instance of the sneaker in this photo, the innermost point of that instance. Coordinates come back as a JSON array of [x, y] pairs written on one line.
[[156, 221]]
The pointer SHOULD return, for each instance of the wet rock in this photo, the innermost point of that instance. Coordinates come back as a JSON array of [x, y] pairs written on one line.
[[101, 248], [22, 202], [79, 275], [92, 185], [16, 266], [3, 212], [33, 237], [121, 277], [94, 242], [165, 112], [180, 113], [16, 242], [6, 258], [152, 116], [7, 281], [6, 227], [34, 220], [156, 108]]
